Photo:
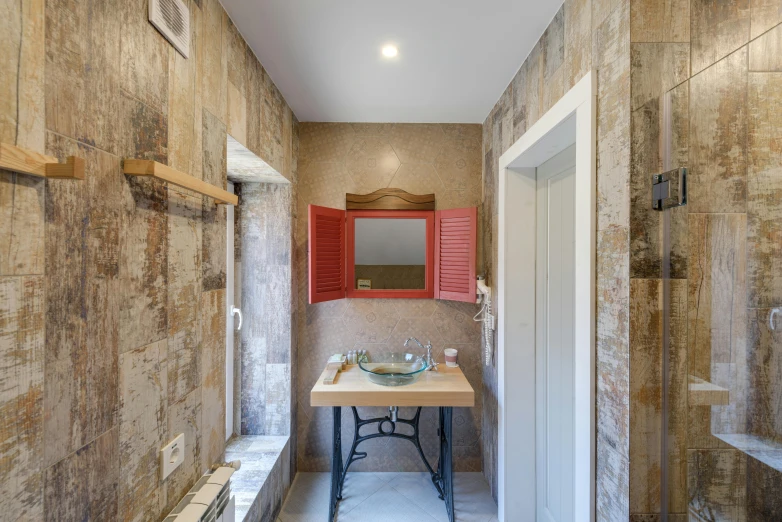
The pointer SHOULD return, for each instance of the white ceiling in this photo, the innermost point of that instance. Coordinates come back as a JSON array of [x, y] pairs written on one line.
[[455, 56]]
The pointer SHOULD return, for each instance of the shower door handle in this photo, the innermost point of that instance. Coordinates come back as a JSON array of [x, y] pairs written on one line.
[[237, 311]]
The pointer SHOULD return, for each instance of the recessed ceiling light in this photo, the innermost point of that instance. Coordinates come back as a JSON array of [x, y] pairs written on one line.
[[389, 51]]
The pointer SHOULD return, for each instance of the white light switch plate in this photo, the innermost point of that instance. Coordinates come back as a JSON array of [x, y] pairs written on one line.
[[172, 455]]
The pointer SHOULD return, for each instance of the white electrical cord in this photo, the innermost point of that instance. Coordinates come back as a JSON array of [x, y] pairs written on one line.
[[487, 320]]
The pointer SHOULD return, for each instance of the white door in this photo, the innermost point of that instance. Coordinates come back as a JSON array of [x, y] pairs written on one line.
[[555, 305]]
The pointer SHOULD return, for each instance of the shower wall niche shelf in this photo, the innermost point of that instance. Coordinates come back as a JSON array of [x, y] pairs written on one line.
[[136, 167], [25, 161]]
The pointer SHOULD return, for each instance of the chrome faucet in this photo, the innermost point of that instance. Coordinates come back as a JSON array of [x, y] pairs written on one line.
[[431, 365]]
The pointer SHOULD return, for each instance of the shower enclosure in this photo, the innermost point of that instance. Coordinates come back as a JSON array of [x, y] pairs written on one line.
[[715, 342]]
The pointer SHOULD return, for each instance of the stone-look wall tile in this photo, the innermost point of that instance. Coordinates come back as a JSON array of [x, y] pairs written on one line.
[[143, 263], [646, 312], [22, 215], [21, 396], [22, 116], [325, 142], [370, 320], [418, 178], [459, 164], [278, 385], [184, 103], [184, 290], [764, 14], [764, 367], [647, 307], [717, 321], [613, 358], [272, 127], [656, 68], [717, 29], [602, 9], [83, 71], [717, 484], [553, 56], [718, 139], [763, 500], [235, 50], [462, 130], [143, 57], [83, 300], [371, 129], [142, 429], [613, 468], [764, 191], [212, 324], [454, 322], [765, 51], [416, 142], [253, 93], [237, 114], [184, 417], [372, 162], [577, 41], [214, 229], [85, 484], [213, 60], [145, 131], [660, 21], [611, 49]]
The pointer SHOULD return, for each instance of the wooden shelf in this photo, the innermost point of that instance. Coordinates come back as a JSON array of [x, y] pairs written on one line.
[[135, 167], [704, 393], [17, 159]]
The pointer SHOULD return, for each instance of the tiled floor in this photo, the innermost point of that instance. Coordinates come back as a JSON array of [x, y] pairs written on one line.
[[388, 497]]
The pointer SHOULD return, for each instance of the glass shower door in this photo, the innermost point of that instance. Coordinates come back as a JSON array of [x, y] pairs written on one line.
[[721, 346]]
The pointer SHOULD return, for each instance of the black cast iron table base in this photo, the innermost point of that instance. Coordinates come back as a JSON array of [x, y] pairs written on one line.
[[442, 477]]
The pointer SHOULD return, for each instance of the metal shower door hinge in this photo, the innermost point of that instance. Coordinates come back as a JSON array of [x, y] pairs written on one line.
[[669, 189]]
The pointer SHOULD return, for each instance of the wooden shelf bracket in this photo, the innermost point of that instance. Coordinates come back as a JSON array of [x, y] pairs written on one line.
[[153, 169], [25, 161]]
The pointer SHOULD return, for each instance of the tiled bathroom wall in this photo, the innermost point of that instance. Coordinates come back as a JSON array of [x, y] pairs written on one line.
[[584, 35], [337, 158], [112, 290], [721, 64]]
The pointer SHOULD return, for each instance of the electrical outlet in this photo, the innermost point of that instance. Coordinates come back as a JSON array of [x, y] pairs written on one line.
[[172, 455]]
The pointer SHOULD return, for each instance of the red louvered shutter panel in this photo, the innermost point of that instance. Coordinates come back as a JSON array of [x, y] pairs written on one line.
[[327, 254], [454, 254]]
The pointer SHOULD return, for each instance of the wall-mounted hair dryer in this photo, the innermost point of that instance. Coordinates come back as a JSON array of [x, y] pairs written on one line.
[[484, 294]]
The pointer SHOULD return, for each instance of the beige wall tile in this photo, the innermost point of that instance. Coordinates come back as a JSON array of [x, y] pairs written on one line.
[[718, 126], [717, 29], [765, 52], [660, 21]]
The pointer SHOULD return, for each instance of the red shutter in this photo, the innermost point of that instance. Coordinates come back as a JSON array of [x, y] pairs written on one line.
[[455, 233], [327, 254]]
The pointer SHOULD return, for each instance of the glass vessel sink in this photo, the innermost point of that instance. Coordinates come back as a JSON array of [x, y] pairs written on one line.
[[393, 368]]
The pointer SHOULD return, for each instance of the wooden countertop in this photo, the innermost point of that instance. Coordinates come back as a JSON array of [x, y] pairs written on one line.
[[444, 387]]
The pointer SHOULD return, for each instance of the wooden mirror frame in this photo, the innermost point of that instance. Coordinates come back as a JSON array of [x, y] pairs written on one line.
[[350, 254]]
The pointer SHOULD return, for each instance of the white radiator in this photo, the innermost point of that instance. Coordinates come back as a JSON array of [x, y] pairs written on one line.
[[208, 501]]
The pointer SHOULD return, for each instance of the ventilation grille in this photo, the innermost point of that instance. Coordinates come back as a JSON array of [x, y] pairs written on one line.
[[329, 243], [172, 19]]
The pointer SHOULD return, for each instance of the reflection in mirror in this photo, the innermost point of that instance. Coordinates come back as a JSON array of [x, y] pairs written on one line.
[[390, 254]]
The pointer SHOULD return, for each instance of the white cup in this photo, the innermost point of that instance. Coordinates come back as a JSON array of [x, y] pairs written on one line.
[[450, 357]]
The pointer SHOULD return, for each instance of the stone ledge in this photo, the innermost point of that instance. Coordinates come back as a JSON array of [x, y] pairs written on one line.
[[261, 484]]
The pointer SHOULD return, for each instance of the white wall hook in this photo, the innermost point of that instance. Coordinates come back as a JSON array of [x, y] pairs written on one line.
[[774, 312], [235, 311]]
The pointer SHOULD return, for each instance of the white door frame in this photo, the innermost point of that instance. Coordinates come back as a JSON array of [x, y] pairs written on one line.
[[571, 120]]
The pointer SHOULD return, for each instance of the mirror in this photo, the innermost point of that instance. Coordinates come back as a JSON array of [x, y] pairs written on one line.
[[390, 254]]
